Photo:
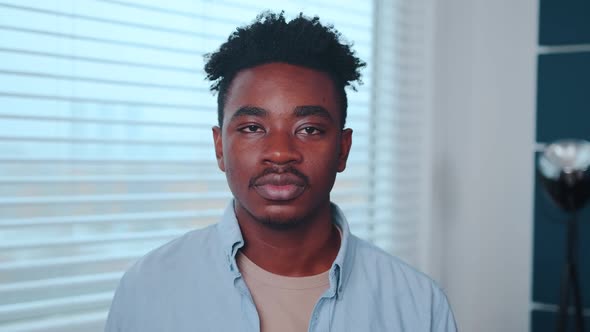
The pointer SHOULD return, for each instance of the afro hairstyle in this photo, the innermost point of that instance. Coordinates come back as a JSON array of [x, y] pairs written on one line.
[[302, 41]]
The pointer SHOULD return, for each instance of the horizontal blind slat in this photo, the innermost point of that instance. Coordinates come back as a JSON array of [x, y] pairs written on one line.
[[74, 322], [79, 140], [110, 178], [111, 82], [86, 240], [100, 101], [24, 265], [34, 309], [40, 285], [110, 218], [92, 59], [122, 122], [113, 198]]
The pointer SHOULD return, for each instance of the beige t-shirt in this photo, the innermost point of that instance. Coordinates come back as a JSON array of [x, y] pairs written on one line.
[[284, 303]]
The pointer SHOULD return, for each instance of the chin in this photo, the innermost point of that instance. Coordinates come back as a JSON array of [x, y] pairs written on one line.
[[281, 224], [280, 216]]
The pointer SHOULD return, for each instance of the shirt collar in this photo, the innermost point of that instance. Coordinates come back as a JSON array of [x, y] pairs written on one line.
[[342, 266], [232, 240]]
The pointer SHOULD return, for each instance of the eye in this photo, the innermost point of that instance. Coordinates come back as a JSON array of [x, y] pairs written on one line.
[[251, 129], [311, 131]]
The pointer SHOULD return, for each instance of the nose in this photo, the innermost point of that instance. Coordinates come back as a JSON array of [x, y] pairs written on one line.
[[281, 149]]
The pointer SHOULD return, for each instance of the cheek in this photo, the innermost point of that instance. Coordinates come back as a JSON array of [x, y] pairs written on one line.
[[236, 153], [237, 179], [323, 162], [239, 165]]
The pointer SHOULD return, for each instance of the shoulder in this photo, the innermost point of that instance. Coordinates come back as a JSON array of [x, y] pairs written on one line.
[[178, 262], [194, 247], [392, 274], [167, 278], [395, 286]]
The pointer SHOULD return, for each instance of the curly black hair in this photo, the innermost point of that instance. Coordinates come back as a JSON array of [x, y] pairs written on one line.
[[270, 38]]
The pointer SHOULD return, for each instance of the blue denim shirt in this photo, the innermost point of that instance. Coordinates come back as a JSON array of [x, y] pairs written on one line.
[[193, 284]]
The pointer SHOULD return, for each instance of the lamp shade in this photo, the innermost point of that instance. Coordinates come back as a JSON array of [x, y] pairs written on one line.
[[564, 170]]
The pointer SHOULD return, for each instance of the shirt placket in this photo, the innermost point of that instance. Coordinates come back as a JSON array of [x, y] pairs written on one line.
[[249, 312], [321, 316]]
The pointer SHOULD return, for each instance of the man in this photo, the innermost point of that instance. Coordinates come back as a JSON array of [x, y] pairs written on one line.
[[282, 257]]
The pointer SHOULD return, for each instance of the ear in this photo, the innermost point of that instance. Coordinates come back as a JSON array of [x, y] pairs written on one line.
[[217, 141], [345, 144]]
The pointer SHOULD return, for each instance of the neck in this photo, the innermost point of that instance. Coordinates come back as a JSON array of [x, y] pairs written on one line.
[[309, 248]]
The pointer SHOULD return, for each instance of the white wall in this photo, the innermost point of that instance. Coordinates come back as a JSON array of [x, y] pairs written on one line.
[[484, 62]]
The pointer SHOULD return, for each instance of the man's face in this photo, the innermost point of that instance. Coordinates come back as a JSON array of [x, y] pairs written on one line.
[[281, 144]]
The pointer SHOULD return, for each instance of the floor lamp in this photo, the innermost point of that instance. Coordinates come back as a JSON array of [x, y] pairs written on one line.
[[564, 170]]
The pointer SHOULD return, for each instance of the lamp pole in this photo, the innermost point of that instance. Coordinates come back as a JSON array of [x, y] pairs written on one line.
[[570, 279]]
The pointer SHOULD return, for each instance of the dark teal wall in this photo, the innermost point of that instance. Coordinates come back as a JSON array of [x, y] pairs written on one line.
[[563, 111], [564, 22], [563, 96], [543, 321]]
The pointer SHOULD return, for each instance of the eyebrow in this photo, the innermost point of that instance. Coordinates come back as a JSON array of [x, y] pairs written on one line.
[[300, 111], [312, 110], [249, 111]]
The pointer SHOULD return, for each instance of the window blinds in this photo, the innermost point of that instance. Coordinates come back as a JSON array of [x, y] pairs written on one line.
[[106, 148], [105, 143], [399, 153]]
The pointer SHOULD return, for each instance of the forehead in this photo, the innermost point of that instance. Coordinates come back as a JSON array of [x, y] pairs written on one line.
[[280, 87]]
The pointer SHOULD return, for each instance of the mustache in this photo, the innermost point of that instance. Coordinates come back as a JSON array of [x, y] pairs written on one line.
[[288, 171]]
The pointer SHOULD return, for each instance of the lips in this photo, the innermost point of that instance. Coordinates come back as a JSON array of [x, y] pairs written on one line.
[[279, 187]]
